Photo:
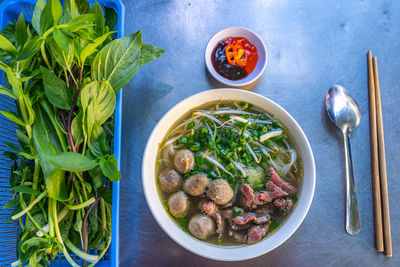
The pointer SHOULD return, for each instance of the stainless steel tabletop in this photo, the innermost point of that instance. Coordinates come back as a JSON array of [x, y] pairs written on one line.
[[311, 45]]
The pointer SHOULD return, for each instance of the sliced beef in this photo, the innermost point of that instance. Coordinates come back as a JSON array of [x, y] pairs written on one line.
[[281, 183], [251, 217], [248, 193], [283, 204], [213, 211], [210, 208], [256, 233], [253, 199], [274, 190]]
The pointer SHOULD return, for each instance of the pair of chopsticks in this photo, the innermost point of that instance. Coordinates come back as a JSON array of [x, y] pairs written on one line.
[[383, 240]]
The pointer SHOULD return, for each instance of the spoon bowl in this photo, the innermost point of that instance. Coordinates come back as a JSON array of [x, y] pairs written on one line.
[[344, 112], [342, 109]]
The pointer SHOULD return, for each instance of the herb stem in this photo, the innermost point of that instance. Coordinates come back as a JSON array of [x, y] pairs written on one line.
[[58, 234], [43, 51], [80, 253], [84, 225], [103, 214], [82, 205], [30, 206]]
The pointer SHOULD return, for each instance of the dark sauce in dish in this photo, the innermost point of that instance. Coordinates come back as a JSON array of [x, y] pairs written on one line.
[[234, 72]]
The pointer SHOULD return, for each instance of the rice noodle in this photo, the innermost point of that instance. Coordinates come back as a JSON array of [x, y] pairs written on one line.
[[209, 116]]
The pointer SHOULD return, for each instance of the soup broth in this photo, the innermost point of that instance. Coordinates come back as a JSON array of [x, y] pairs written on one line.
[[228, 173]]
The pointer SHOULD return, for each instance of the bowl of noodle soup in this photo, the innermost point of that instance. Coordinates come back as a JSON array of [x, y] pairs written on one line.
[[239, 138]]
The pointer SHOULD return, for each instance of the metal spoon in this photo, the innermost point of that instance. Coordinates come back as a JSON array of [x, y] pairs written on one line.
[[344, 112]]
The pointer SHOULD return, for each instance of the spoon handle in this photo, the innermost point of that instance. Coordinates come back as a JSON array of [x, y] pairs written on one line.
[[352, 213]]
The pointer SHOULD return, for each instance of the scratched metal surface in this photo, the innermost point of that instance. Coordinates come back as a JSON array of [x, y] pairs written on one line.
[[311, 45]]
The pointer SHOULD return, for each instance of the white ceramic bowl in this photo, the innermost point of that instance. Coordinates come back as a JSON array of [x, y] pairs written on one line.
[[205, 249], [237, 32]]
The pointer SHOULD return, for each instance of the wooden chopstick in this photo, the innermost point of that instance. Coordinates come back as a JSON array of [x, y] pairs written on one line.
[[374, 159], [382, 165]]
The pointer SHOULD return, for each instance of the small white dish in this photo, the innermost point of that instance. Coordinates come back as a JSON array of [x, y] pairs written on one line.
[[237, 32], [227, 253]]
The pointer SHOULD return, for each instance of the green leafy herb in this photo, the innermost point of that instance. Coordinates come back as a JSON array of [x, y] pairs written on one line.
[[63, 68], [294, 198]]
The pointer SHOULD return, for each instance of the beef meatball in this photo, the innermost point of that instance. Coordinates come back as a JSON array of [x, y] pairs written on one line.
[[178, 204], [195, 185], [201, 226], [170, 180], [220, 192], [184, 161]]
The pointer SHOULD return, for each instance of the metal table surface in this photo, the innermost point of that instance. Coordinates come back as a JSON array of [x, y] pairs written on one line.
[[311, 45]]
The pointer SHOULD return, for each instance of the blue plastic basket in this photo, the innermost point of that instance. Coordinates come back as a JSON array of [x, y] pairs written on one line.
[[9, 11]]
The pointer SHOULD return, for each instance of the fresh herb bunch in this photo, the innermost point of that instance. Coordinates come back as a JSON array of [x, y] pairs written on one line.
[[63, 70]]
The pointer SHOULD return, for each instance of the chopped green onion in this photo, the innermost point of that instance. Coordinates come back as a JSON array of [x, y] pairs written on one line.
[[274, 224], [190, 125], [294, 198], [183, 222]]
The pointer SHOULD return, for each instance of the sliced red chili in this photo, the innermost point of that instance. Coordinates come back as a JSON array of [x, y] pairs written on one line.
[[240, 55], [230, 52]]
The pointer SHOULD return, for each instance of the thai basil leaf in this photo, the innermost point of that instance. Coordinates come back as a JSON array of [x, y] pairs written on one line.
[[58, 127], [7, 46], [9, 32], [83, 6], [37, 12], [30, 48], [12, 117], [82, 21], [46, 144], [37, 242], [89, 119], [92, 47], [63, 58], [118, 61], [20, 31], [70, 11], [105, 97], [76, 129], [73, 162], [61, 39], [99, 23], [111, 18], [109, 167], [97, 144], [149, 53], [12, 203], [25, 189], [7, 92], [97, 177], [51, 15], [14, 82], [56, 89]]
